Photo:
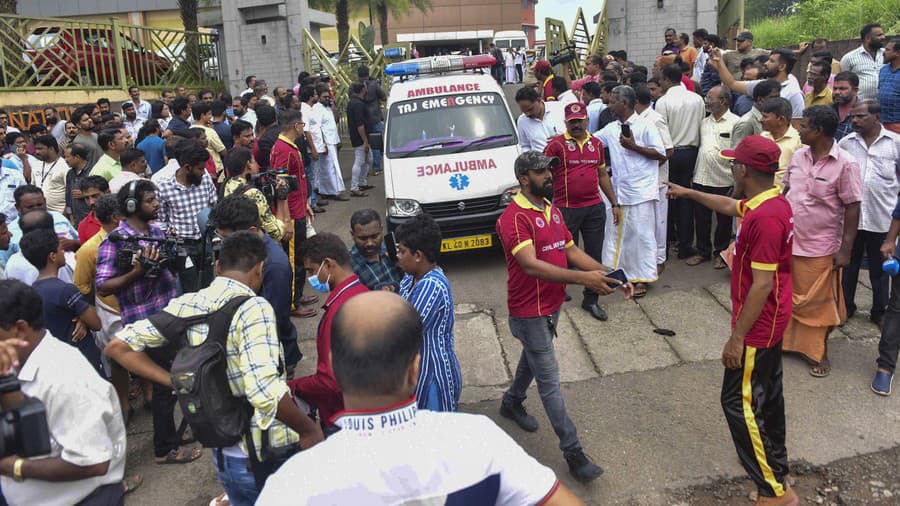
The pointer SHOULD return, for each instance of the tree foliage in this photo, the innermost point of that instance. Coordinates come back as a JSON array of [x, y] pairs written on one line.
[[832, 19]]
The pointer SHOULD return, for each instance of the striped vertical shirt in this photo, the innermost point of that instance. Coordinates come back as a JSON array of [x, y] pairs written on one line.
[[861, 63]]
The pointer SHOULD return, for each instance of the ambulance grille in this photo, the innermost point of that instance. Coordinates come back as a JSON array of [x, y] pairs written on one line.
[[454, 208]]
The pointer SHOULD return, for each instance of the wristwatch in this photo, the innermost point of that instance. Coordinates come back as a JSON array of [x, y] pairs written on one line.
[[17, 470], [616, 205]]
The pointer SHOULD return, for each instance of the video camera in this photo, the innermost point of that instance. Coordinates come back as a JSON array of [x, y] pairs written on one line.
[[563, 55], [172, 254], [23, 429], [266, 182]]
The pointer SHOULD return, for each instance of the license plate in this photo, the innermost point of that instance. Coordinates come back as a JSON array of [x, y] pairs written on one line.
[[469, 242]]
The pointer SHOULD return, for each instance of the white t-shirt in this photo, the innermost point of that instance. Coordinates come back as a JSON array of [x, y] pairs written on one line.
[[314, 125], [121, 179], [84, 418], [407, 456], [534, 133], [51, 179]]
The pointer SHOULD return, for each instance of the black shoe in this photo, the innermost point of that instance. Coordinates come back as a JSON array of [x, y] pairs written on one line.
[[596, 311], [875, 318], [581, 467], [517, 413], [321, 202]]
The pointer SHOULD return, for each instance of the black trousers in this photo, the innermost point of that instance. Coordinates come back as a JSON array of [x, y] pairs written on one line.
[[589, 223], [200, 275], [889, 345], [299, 277], [681, 211], [870, 243], [703, 224], [162, 407], [753, 401], [519, 72]]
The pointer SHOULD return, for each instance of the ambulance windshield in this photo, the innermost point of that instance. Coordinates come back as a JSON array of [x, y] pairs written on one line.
[[448, 124]]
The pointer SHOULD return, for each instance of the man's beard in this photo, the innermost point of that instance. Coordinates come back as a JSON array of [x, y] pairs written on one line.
[[194, 179], [876, 45], [146, 216], [544, 192]]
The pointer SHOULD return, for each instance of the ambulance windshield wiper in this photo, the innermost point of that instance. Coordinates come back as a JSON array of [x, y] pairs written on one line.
[[417, 147], [482, 140]]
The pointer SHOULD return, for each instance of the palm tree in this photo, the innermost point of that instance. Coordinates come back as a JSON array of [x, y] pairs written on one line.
[[188, 11], [8, 6]]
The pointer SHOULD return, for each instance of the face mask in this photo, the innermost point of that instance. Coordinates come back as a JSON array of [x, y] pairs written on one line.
[[319, 286]]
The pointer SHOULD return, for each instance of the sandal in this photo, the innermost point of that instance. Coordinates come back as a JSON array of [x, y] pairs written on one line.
[[220, 500], [719, 264], [180, 455], [132, 483], [822, 369], [640, 289], [696, 260]]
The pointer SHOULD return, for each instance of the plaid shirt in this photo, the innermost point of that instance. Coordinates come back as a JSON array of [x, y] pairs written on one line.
[[180, 205], [145, 297], [374, 275], [252, 352]]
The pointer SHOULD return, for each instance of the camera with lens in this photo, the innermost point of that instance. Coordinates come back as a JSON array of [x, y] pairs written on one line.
[[266, 182], [563, 55], [23, 428], [172, 254]]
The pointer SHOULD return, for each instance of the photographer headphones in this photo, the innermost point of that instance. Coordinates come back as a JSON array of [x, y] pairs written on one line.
[[131, 201]]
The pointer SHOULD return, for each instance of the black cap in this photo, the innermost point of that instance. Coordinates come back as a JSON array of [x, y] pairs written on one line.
[[744, 36], [534, 160]]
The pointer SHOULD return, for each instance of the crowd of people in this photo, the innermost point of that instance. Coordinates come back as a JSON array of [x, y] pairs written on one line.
[[122, 232]]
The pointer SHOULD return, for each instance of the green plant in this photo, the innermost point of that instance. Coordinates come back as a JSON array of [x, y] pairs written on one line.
[[367, 37], [832, 19]]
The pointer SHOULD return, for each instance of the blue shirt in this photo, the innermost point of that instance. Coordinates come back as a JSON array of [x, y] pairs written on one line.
[[62, 302], [896, 213], [178, 126], [223, 128], [440, 379], [61, 226], [154, 148], [593, 113], [276, 288], [889, 94]]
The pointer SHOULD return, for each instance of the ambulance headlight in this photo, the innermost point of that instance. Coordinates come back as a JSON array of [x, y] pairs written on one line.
[[403, 208], [508, 195]]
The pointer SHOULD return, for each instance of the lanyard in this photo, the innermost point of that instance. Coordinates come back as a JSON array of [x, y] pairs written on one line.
[[48, 172]]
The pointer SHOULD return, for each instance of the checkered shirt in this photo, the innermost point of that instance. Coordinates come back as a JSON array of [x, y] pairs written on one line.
[[375, 275], [889, 94], [145, 297], [252, 352], [179, 205]]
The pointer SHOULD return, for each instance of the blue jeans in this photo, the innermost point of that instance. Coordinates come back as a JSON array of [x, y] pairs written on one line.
[[376, 154], [538, 362], [236, 478], [310, 170]]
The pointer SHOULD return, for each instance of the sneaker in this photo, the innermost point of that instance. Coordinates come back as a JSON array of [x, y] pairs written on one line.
[[881, 385], [581, 467], [517, 413]]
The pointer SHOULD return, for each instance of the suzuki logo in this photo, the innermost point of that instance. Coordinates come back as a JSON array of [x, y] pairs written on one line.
[[461, 206]]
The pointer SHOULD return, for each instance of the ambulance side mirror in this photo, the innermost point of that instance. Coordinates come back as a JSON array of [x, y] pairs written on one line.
[[376, 141]]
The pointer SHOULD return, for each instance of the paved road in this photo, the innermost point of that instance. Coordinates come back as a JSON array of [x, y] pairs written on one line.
[[646, 405]]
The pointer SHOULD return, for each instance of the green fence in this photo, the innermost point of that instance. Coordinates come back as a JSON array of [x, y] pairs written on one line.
[[47, 54]]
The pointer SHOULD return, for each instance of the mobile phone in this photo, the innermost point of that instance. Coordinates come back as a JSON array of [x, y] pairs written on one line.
[[618, 275], [626, 130]]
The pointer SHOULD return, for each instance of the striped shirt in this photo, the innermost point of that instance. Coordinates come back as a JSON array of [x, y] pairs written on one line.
[[252, 352], [440, 379], [861, 63], [878, 167]]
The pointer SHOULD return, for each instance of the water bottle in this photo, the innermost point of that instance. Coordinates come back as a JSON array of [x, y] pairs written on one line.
[[890, 266], [424, 135]]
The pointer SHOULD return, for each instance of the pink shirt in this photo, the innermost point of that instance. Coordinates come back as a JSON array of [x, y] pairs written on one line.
[[818, 193], [579, 83]]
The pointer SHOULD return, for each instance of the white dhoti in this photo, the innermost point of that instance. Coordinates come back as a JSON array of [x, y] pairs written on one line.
[[662, 225], [631, 245], [330, 179], [511, 74]]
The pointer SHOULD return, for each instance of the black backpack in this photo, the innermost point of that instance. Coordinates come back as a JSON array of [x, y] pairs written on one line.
[[216, 416]]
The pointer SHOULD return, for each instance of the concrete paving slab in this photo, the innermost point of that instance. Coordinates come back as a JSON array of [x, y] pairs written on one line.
[[859, 327], [306, 366], [478, 351], [863, 296], [664, 429], [625, 342], [574, 362], [701, 325], [722, 293]]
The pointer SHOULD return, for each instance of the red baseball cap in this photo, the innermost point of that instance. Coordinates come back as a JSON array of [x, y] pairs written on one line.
[[543, 65], [755, 151], [576, 110]]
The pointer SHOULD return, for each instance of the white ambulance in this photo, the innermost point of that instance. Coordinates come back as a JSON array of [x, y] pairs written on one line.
[[449, 143]]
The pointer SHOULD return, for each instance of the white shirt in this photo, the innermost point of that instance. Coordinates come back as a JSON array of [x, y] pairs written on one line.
[[59, 130], [330, 132], [250, 117], [699, 64], [519, 58], [593, 112], [683, 111], [567, 97], [133, 127], [715, 135], [165, 173], [9, 180], [314, 125], [84, 418], [878, 167], [123, 178], [790, 91], [407, 456], [861, 63], [653, 117], [635, 178], [534, 133], [51, 179], [142, 107]]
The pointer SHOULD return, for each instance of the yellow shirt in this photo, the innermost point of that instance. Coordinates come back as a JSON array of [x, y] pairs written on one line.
[[86, 269], [789, 142], [824, 98], [215, 146]]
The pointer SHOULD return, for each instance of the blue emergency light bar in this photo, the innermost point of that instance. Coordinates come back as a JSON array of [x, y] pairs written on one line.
[[438, 64]]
